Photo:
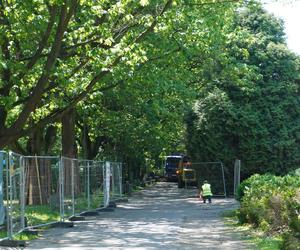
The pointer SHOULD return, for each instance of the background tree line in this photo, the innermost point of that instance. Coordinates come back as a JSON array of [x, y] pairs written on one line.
[[117, 79], [248, 103]]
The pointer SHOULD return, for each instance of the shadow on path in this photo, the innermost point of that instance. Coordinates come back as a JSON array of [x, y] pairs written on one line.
[[160, 217]]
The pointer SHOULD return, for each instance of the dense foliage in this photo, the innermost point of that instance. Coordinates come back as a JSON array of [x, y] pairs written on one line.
[[53, 53], [272, 203], [248, 108], [103, 77], [118, 77], [114, 79]]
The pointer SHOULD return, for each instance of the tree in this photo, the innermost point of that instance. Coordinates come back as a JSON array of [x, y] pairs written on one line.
[[54, 53], [56, 56], [142, 117], [249, 107]]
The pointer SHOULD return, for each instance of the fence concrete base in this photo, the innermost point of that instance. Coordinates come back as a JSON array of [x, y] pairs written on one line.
[[112, 204], [105, 209], [89, 213], [77, 218], [13, 243], [63, 224], [121, 200], [31, 231]]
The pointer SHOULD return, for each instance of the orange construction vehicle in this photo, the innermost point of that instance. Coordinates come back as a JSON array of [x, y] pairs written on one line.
[[186, 175]]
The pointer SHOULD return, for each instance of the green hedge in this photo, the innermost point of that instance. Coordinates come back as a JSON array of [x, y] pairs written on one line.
[[272, 203]]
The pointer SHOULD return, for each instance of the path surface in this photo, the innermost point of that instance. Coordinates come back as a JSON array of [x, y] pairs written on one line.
[[160, 217]]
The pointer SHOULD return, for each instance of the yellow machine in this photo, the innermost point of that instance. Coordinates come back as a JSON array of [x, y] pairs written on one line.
[[185, 173]]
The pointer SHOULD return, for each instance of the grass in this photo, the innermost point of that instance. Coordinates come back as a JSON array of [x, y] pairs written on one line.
[[254, 236], [21, 236], [24, 236], [3, 234], [40, 214], [266, 243], [81, 203], [35, 215]]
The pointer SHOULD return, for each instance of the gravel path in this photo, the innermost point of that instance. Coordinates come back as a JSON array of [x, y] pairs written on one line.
[[160, 217]]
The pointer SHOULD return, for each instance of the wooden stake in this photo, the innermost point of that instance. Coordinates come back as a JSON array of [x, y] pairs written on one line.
[[38, 179]]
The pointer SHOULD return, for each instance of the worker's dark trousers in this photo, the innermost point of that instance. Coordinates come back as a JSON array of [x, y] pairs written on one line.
[[207, 197]]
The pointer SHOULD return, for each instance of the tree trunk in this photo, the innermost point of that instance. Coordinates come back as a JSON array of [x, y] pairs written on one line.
[[37, 172], [69, 150], [38, 175]]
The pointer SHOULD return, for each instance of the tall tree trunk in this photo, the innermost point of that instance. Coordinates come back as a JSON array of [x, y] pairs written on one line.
[[31, 181], [69, 150], [90, 147], [38, 176], [37, 172]]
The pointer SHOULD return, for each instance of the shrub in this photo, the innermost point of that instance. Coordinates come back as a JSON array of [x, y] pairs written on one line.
[[271, 202], [290, 242]]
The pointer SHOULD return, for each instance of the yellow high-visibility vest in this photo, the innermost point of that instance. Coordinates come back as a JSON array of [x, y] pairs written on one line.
[[206, 189]]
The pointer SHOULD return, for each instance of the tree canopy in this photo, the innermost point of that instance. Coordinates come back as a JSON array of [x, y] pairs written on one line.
[[249, 107], [117, 78]]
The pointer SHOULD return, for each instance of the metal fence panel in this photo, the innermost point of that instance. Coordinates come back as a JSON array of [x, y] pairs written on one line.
[[116, 180], [15, 206], [2, 166], [42, 190], [96, 179], [3, 193], [82, 200], [213, 172], [68, 170]]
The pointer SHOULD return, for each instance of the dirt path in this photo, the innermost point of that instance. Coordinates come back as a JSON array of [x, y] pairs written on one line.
[[160, 217]]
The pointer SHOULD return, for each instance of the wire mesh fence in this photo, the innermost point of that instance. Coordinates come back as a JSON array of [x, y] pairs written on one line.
[[69, 174], [213, 172], [3, 193], [37, 191], [116, 180], [15, 204], [82, 194], [96, 184], [41, 190]]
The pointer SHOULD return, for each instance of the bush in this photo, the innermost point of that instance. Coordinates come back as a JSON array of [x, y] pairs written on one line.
[[271, 203], [290, 242], [294, 213]]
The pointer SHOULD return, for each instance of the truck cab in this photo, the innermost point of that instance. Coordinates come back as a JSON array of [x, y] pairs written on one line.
[[171, 165], [186, 175]]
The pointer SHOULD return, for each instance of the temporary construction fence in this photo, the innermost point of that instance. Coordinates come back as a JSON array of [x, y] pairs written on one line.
[[38, 191], [213, 172]]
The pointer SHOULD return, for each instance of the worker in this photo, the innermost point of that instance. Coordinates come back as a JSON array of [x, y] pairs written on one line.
[[206, 192]]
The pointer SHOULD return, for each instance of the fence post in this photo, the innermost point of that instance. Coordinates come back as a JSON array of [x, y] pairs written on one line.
[[120, 178], [61, 189], [237, 176], [104, 179], [2, 210], [9, 217], [73, 186], [107, 184], [22, 191], [223, 175], [112, 168], [88, 185], [7, 193]]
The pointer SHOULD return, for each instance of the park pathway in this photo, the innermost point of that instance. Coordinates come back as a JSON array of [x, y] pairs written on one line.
[[159, 217]]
